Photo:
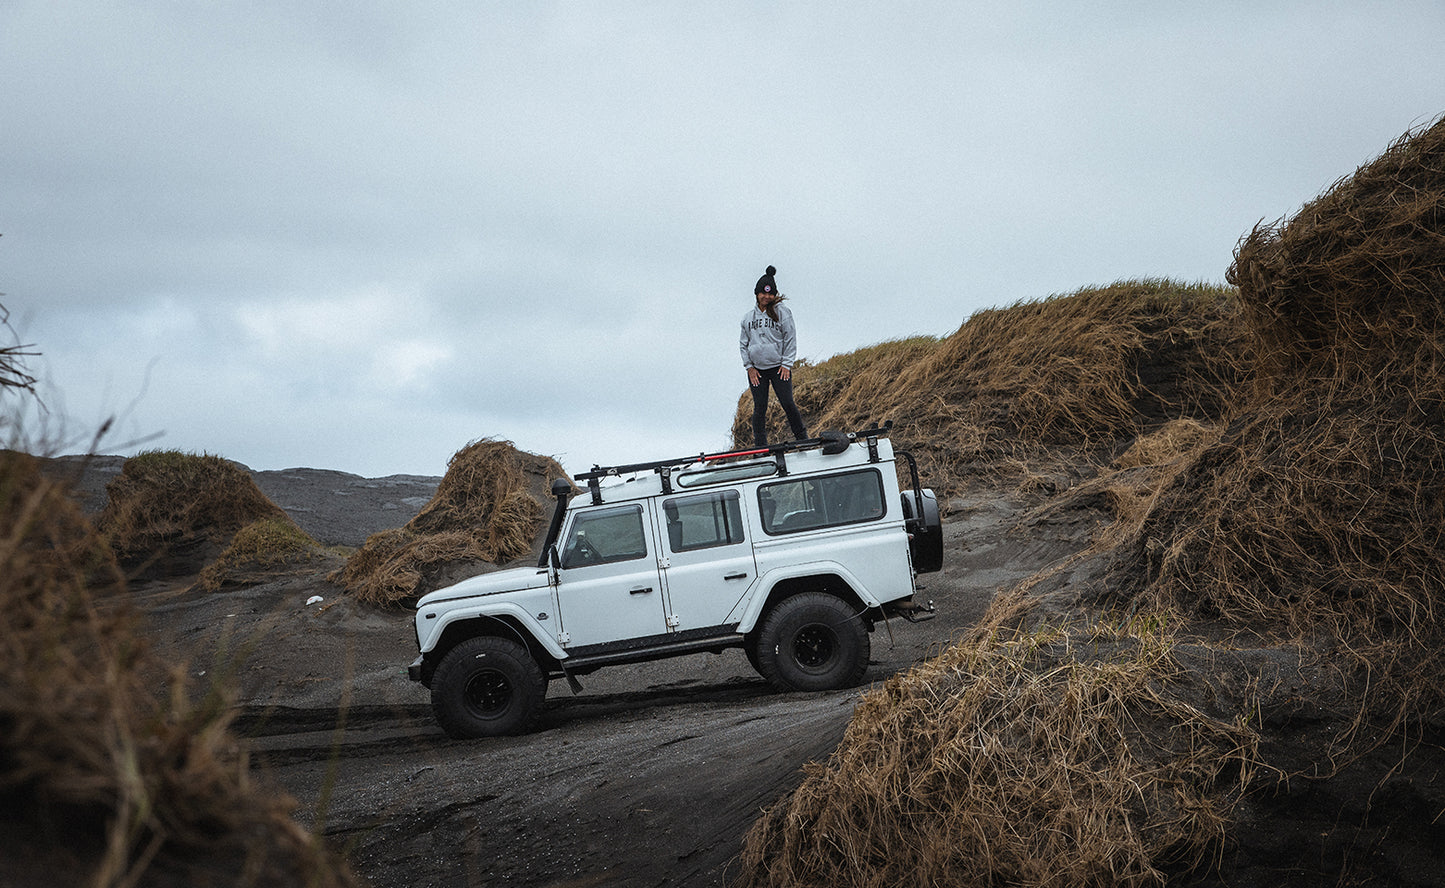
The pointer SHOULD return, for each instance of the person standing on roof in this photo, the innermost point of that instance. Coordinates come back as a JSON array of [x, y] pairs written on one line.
[[769, 345]]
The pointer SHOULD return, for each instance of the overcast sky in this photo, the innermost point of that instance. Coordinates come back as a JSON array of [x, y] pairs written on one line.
[[359, 236]]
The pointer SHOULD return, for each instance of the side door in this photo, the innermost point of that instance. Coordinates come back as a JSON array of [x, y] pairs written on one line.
[[609, 587], [708, 561]]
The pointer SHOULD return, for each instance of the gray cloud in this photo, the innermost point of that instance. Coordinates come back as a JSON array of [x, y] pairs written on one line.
[[360, 238]]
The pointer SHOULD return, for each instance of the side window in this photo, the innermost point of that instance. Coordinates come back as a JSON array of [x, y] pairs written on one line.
[[725, 474], [703, 521], [827, 501], [605, 536]]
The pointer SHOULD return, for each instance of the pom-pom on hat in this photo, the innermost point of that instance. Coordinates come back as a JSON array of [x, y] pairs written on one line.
[[766, 284]]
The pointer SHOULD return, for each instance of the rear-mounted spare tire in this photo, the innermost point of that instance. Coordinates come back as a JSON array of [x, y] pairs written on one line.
[[925, 530]]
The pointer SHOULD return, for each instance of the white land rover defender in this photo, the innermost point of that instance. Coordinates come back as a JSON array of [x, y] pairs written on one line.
[[791, 552]]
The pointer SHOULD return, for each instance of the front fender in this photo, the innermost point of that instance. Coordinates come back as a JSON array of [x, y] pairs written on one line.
[[430, 626], [750, 615]]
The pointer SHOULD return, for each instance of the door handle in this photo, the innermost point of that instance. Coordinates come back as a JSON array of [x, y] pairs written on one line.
[[643, 591], [741, 576]]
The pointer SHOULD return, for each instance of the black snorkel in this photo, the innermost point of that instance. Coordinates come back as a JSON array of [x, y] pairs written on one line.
[[562, 490]]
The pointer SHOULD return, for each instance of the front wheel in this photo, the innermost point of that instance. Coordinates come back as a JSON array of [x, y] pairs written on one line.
[[487, 686], [812, 642]]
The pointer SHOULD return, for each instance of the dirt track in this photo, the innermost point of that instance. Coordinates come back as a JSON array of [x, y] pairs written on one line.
[[650, 777]]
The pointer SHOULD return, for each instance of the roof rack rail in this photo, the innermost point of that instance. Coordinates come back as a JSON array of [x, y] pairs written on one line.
[[829, 442]]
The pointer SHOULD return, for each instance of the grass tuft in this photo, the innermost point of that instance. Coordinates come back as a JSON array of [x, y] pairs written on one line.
[[103, 744], [488, 509], [264, 548], [170, 513], [1057, 757]]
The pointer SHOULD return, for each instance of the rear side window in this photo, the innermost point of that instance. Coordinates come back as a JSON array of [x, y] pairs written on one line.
[[826, 501], [703, 521], [605, 536]]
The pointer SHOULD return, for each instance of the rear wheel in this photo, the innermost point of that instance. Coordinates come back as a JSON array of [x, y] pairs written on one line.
[[812, 642], [487, 686]]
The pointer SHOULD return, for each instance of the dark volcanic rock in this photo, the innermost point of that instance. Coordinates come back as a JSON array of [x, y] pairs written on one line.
[[335, 508]]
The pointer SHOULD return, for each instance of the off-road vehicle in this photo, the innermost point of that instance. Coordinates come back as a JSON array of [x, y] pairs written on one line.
[[791, 552]]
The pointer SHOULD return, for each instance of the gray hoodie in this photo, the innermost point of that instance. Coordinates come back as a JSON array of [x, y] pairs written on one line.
[[766, 343]]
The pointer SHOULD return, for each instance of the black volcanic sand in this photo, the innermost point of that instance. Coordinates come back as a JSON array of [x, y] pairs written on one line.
[[652, 774]]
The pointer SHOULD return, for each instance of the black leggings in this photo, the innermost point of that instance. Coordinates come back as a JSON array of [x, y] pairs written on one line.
[[784, 388]]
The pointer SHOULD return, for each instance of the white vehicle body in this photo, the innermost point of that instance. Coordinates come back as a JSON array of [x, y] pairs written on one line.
[[729, 550]]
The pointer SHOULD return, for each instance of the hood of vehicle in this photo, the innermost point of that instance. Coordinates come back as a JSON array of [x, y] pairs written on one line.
[[514, 579]]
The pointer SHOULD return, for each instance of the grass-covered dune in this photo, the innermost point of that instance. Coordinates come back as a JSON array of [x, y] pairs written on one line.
[[489, 509], [1079, 373], [1247, 677]]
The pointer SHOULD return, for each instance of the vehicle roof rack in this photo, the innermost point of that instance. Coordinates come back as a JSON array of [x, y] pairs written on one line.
[[829, 442]]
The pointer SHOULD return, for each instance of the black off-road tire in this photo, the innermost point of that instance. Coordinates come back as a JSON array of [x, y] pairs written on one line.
[[486, 687], [813, 642]]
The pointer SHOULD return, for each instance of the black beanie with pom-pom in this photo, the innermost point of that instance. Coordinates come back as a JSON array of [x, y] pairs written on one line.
[[766, 283]]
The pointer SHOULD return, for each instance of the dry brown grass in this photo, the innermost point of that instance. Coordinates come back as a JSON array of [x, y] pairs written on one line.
[[1175, 441], [170, 512], [1145, 470], [263, 549], [1089, 370], [14, 375], [1054, 758], [1320, 515], [1359, 269], [1306, 503], [1320, 511], [488, 508], [111, 773]]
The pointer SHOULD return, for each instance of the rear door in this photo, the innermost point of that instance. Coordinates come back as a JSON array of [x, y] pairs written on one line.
[[609, 588], [708, 563]]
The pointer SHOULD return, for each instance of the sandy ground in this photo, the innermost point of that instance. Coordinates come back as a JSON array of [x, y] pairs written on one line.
[[650, 776]]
